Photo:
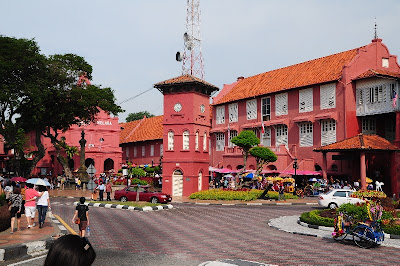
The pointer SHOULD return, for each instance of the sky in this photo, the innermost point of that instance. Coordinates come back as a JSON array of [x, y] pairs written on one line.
[[131, 44]]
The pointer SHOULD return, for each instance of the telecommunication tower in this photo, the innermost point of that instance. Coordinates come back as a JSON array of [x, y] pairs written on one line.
[[192, 58]]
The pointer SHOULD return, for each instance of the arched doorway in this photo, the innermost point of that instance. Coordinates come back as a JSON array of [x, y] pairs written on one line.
[[177, 183], [108, 164], [89, 161], [200, 181]]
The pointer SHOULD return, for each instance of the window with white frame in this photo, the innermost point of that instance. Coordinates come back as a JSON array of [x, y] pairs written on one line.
[[266, 137], [185, 137], [134, 151], [390, 130], [255, 131], [220, 141], [220, 112], [376, 94], [368, 126], [161, 150], [328, 131], [266, 108], [205, 141], [251, 109], [143, 151], [127, 152], [232, 134], [328, 96], [306, 134], [281, 104], [151, 150], [281, 135], [170, 140], [385, 62], [306, 100], [196, 141], [233, 112]]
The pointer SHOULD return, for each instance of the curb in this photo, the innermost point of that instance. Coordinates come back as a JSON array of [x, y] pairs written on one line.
[[126, 207], [248, 204], [31, 248], [325, 228]]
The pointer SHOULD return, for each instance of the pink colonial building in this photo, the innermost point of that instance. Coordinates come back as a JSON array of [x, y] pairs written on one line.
[[316, 103], [142, 141], [102, 147]]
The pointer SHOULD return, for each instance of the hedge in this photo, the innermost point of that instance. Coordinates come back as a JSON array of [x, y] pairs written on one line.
[[313, 217], [229, 194]]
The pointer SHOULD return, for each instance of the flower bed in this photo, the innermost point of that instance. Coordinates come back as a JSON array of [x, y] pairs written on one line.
[[230, 194], [363, 193]]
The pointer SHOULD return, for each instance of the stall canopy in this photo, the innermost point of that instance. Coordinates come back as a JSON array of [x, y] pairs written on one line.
[[301, 172]]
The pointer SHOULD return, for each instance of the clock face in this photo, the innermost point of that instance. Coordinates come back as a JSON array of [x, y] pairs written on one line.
[[202, 108], [178, 107]]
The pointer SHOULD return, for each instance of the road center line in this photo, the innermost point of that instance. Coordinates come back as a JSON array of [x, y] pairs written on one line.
[[72, 231]]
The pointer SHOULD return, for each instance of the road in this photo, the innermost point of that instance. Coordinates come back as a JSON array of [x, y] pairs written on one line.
[[190, 234]]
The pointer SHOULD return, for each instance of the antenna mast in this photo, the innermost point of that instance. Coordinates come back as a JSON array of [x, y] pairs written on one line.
[[192, 55]]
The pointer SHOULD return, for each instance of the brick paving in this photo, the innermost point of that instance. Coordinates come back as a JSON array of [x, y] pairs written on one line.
[[199, 232]]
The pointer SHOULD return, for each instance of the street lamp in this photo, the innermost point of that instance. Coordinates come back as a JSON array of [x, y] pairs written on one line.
[[295, 166]]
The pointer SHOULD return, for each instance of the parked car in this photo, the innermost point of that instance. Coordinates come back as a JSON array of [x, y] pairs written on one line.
[[146, 193], [336, 197]]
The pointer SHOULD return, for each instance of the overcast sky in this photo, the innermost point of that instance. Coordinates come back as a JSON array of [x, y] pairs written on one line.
[[131, 44]]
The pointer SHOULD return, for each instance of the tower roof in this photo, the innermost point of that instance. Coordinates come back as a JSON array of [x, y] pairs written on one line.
[[185, 83]]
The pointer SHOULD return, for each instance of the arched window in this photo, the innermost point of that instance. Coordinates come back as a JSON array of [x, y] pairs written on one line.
[[185, 137], [205, 141], [196, 141], [170, 140]]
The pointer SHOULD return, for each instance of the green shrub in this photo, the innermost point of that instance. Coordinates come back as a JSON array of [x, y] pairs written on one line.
[[226, 194], [5, 218], [313, 217], [391, 229], [138, 181]]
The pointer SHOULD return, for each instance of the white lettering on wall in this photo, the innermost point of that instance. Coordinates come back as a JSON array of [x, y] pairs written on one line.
[[104, 123]]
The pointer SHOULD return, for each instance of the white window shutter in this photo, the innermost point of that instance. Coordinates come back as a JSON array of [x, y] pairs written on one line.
[[328, 96], [251, 109], [306, 100], [220, 111], [281, 104], [233, 112]]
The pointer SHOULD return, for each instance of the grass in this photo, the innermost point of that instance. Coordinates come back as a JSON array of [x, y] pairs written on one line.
[[128, 203]]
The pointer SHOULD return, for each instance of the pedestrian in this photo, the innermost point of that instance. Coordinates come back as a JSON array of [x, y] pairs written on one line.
[[82, 212], [30, 204], [70, 250], [43, 203], [281, 192], [62, 183], [109, 190], [101, 189], [16, 208]]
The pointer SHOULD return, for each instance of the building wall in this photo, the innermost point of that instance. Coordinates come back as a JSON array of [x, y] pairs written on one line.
[[128, 153]]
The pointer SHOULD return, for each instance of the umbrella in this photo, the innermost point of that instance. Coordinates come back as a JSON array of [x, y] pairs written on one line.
[[250, 175], [228, 175], [369, 180], [313, 179], [38, 182], [18, 179]]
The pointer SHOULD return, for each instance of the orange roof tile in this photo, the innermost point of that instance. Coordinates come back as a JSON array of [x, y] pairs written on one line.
[[360, 142], [316, 71], [142, 130], [377, 73], [184, 79]]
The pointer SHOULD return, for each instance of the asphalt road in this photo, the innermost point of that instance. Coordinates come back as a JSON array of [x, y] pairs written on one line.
[[190, 234]]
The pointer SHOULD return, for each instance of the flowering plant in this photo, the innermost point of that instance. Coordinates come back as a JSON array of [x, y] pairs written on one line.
[[363, 193]]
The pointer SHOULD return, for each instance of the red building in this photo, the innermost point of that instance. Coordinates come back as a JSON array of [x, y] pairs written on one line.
[[102, 147], [142, 141], [313, 104]]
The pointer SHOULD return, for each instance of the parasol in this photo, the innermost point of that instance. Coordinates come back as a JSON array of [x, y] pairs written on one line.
[[38, 182], [18, 179]]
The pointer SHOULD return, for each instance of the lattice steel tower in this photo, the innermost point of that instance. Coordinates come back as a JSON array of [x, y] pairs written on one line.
[[192, 56]]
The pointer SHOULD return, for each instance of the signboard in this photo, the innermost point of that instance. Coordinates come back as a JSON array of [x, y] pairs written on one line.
[[91, 185], [91, 170]]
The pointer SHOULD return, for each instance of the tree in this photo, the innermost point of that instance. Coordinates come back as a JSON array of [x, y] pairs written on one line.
[[245, 140], [137, 116], [263, 156]]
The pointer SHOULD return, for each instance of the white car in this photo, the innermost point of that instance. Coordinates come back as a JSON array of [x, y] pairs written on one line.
[[336, 197]]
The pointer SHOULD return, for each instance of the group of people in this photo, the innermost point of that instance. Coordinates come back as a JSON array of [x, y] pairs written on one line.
[[26, 199]]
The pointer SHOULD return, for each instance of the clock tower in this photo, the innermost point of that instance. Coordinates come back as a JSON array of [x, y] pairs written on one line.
[[186, 128]]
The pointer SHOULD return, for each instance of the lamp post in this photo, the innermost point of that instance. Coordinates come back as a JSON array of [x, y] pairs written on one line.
[[295, 166], [83, 176]]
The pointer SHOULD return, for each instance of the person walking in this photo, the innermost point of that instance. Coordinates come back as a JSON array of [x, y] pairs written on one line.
[[281, 192], [101, 189], [16, 208], [42, 205], [82, 212], [30, 204], [109, 190]]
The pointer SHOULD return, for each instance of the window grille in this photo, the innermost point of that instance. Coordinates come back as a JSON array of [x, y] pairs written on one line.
[[281, 104], [185, 138], [196, 141], [220, 143], [368, 126], [205, 141], [232, 134], [281, 135], [233, 112], [251, 108], [266, 108], [170, 140], [328, 131], [220, 111], [306, 134], [151, 150]]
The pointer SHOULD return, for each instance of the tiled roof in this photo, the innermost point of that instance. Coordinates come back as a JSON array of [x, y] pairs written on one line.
[[316, 71], [377, 73], [183, 79], [360, 142], [142, 130]]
